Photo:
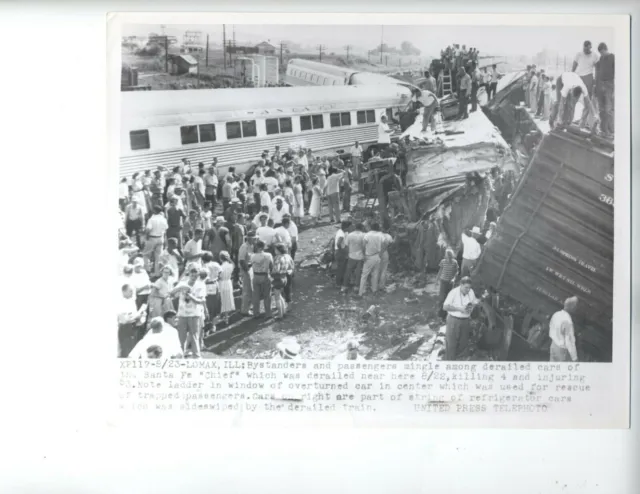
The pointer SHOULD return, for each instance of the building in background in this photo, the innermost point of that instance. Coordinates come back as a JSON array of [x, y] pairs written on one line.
[[265, 48], [182, 64]]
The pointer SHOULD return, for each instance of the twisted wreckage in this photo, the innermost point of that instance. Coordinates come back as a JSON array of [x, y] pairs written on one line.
[[555, 228]]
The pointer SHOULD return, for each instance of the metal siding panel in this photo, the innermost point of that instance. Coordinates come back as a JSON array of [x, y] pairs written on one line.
[[555, 238]]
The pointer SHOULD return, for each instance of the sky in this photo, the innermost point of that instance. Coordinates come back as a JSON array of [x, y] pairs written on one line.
[[490, 40]]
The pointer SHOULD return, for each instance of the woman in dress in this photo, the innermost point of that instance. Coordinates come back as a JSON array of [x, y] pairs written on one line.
[[316, 198], [298, 206], [159, 299], [213, 293], [282, 271], [138, 193], [288, 194], [226, 286]]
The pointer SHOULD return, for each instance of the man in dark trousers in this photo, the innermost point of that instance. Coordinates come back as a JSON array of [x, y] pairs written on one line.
[[459, 304], [464, 90]]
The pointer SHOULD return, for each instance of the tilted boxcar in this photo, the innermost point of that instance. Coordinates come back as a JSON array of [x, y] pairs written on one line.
[[555, 238]]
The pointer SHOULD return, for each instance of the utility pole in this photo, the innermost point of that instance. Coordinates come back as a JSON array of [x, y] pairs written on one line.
[[224, 45], [164, 40], [381, 42], [282, 47], [348, 47], [320, 50], [206, 56]]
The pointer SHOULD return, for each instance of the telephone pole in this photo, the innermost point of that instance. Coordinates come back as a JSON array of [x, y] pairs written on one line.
[[348, 47], [164, 40], [224, 45], [320, 50], [206, 56], [282, 47], [381, 42]]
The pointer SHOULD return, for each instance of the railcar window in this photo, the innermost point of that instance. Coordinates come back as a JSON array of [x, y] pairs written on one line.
[[310, 122], [189, 134], [139, 139], [340, 119], [234, 130], [278, 125], [366, 116], [249, 128], [318, 122], [285, 125], [207, 133]]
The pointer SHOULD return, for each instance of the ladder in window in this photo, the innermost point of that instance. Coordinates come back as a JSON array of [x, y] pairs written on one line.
[[446, 83]]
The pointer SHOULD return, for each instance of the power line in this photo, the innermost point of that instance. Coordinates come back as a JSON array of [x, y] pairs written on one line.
[[321, 49]]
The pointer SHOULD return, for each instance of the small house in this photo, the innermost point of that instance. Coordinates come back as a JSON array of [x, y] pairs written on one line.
[[182, 64], [265, 48]]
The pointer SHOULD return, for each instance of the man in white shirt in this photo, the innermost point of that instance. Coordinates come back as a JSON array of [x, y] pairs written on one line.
[[570, 90], [211, 187], [157, 226], [332, 190], [265, 233], [341, 252], [159, 334], [429, 105], [459, 304], [302, 160], [372, 241], [471, 251], [493, 85], [384, 133], [585, 65], [356, 158], [355, 246], [292, 228], [562, 334], [278, 210], [193, 248], [256, 219], [282, 237]]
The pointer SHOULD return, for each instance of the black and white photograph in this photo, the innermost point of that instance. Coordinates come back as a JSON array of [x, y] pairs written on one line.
[[366, 192]]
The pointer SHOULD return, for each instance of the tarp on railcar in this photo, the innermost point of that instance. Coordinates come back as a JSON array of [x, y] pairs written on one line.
[[555, 238]]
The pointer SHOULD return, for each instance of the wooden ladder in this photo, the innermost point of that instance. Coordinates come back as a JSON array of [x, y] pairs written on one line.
[[446, 83]]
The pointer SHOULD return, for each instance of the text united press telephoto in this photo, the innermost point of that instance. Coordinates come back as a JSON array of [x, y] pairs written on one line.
[[337, 217]]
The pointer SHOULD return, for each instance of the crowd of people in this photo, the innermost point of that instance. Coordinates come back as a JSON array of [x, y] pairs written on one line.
[[191, 236]]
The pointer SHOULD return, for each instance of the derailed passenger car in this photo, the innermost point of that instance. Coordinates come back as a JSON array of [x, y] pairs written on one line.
[[555, 240]]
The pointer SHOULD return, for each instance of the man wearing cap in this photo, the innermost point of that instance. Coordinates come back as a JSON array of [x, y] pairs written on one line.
[[278, 210], [262, 264], [161, 335], [459, 304], [562, 333], [471, 251], [244, 261], [157, 226]]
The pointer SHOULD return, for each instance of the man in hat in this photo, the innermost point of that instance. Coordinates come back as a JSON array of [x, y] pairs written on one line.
[[262, 265], [244, 260], [134, 216], [175, 217], [459, 304], [157, 227], [562, 333], [211, 186], [471, 250], [158, 334], [356, 159], [156, 188], [332, 190], [255, 222], [278, 210]]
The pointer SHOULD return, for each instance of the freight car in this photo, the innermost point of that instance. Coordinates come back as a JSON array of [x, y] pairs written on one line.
[[555, 240]]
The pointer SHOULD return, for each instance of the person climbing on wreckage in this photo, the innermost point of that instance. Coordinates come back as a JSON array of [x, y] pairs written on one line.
[[429, 103], [570, 90]]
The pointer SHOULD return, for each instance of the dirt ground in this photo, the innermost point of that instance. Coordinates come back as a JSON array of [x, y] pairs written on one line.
[[323, 320]]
